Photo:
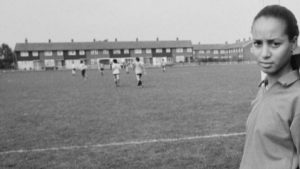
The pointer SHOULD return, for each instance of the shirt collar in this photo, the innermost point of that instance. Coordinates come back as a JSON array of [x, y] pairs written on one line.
[[285, 80], [289, 78], [263, 83]]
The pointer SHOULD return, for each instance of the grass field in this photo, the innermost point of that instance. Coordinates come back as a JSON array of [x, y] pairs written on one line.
[[52, 109]]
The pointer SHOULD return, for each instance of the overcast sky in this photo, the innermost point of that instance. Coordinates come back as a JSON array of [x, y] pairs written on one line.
[[204, 21]]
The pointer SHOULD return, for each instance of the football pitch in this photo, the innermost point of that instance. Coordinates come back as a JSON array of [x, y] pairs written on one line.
[[187, 117]]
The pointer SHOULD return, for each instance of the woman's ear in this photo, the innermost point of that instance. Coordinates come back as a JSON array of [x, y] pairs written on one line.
[[294, 43]]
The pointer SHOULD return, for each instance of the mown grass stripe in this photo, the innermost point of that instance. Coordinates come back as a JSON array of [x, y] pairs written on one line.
[[123, 143]]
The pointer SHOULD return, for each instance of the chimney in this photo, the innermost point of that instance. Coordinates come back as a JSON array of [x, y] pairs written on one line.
[[157, 39], [137, 39], [116, 40], [177, 38], [72, 40], [244, 39], [94, 40], [49, 40], [199, 43], [226, 42], [26, 40]]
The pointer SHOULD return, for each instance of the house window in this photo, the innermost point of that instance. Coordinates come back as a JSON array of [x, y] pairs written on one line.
[[59, 53], [116, 51], [81, 52], [24, 54], [158, 50], [207, 51], [137, 51], [216, 52], [94, 61], [35, 54], [168, 50], [179, 50], [71, 52], [189, 49], [179, 58], [148, 51], [105, 52], [94, 52], [126, 51], [49, 62], [201, 52], [48, 53]]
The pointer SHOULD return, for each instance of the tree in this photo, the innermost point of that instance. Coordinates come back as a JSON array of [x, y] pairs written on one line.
[[7, 57]]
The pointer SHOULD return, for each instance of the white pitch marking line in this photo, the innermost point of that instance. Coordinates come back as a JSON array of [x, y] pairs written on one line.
[[123, 143]]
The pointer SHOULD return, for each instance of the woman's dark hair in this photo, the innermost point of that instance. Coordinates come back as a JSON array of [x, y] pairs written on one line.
[[295, 61], [115, 61], [285, 15], [137, 59]]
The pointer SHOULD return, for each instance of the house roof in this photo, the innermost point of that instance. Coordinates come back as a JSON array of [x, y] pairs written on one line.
[[208, 46], [220, 46], [102, 45]]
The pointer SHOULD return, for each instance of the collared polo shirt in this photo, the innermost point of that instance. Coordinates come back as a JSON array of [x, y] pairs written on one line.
[[138, 67], [116, 68], [273, 126]]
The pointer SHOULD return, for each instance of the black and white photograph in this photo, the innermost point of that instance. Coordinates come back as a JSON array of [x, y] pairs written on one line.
[[149, 84]]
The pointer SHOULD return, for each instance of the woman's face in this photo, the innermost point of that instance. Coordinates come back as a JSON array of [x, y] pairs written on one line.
[[271, 46]]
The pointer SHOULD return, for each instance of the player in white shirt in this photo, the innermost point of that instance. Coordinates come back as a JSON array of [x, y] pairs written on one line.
[[116, 67], [139, 71], [83, 68], [163, 65], [73, 70], [101, 68]]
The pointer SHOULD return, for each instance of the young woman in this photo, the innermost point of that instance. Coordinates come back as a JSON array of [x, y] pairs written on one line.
[[163, 65], [73, 70], [116, 67], [101, 68], [273, 126], [83, 68], [139, 70]]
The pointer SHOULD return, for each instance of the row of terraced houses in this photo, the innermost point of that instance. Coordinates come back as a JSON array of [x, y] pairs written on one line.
[[66, 55]]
